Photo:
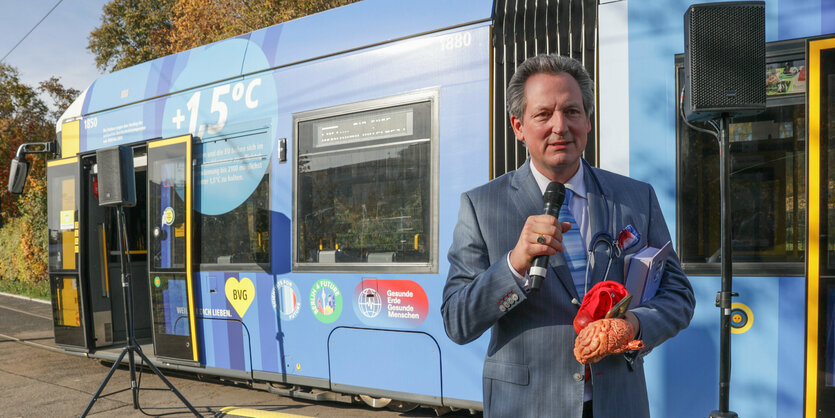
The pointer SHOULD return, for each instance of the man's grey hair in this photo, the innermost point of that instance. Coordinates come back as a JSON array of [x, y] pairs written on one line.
[[549, 64]]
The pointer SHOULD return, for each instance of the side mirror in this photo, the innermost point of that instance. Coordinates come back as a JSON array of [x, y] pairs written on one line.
[[17, 175]]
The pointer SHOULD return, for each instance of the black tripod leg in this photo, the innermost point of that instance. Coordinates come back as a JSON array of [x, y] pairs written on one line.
[[104, 383], [133, 386], [132, 346], [167, 383]]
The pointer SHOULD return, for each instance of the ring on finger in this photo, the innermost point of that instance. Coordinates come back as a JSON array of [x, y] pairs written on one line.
[[541, 239]]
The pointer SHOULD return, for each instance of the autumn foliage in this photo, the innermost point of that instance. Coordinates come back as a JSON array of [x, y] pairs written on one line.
[[25, 117], [199, 22], [135, 31]]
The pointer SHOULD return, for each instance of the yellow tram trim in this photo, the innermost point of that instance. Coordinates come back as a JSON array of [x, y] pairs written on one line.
[[490, 111], [70, 138], [186, 139], [170, 141], [188, 171], [813, 222], [53, 163], [104, 258]]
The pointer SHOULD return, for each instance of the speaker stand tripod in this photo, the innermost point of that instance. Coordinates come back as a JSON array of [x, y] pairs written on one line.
[[132, 346], [724, 297]]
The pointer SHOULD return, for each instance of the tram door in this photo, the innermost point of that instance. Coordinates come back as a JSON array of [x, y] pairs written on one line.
[[820, 356], [170, 236], [101, 271], [68, 298]]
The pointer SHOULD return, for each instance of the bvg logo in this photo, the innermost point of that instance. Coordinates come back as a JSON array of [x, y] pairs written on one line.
[[240, 294]]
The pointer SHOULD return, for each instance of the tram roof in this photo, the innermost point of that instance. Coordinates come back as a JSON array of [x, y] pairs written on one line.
[[369, 22]]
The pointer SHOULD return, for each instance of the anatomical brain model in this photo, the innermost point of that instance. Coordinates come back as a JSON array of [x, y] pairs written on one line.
[[603, 337], [600, 329]]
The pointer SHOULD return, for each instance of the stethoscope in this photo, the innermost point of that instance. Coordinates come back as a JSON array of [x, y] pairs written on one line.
[[603, 237]]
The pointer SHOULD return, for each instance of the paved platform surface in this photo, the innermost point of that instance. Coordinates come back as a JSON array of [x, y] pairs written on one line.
[[39, 380]]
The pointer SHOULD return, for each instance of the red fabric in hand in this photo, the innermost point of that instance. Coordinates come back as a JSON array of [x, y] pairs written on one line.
[[598, 300]]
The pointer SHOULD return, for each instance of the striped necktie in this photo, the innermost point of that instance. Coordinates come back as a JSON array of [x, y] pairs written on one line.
[[575, 250]]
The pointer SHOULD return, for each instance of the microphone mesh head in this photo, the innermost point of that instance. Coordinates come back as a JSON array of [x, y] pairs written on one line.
[[554, 194]]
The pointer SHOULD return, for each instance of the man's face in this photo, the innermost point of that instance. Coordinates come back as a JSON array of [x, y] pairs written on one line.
[[554, 125]]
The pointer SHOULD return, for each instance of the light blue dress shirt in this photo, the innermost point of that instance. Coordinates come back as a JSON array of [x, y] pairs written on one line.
[[579, 207]]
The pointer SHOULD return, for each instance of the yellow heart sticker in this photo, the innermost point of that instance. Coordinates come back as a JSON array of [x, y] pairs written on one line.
[[240, 294]]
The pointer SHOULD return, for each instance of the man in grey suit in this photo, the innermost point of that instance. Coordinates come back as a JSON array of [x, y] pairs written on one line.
[[530, 369]]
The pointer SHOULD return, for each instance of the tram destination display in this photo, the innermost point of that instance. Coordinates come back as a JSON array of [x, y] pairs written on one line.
[[365, 127]]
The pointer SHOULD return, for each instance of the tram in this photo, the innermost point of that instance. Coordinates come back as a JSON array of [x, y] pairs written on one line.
[[297, 188]]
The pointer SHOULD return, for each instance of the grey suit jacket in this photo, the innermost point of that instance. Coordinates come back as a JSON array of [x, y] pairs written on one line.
[[530, 369]]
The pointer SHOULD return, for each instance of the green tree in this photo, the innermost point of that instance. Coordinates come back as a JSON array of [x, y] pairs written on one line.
[[131, 32]]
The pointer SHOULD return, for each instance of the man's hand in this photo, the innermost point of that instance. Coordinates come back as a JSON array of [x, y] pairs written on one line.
[[636, 324], [540, 236]]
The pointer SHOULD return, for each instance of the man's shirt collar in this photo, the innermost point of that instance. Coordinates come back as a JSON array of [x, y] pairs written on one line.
[[576, 183]]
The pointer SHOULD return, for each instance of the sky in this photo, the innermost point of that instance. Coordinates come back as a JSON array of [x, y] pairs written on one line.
[[57, 47]]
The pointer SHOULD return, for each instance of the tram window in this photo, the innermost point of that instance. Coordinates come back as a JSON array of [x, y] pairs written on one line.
[[364, 190], [232, 205], [240, 236], [62, 218], [768, 181]]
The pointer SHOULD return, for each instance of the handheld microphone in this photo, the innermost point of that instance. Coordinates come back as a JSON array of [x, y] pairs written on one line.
[[553, 197]]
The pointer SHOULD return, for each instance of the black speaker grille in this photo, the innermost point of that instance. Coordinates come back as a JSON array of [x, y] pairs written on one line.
[[116, 177], [726, 56]]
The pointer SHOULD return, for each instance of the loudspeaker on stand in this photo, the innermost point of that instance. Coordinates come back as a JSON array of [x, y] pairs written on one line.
[[117, 185], [724, 60]]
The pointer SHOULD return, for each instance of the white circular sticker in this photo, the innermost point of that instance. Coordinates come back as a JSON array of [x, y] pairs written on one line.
[[168, 216], [286, 299]]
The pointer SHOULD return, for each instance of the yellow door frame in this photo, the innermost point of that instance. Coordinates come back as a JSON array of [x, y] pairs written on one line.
[[186, 140], [813, 250]]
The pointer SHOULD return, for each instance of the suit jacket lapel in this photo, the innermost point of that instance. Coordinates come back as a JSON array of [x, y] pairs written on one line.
[[526, 195], [528, 200]]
